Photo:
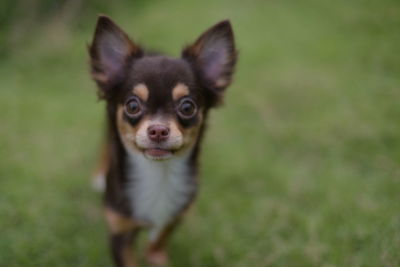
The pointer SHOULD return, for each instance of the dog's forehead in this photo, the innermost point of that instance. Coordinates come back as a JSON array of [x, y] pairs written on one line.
[[160, 73], [160, 81]]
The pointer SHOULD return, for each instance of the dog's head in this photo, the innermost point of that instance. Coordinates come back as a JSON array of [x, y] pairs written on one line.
[[159, 103]]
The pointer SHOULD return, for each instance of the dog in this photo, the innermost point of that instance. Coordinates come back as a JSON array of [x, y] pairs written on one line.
[[156, 110]]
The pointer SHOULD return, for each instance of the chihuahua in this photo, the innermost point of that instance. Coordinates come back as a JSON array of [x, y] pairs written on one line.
[[156, 109]]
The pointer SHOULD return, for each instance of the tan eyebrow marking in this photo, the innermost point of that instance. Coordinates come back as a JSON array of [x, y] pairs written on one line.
[[180, 90], [141, 91]]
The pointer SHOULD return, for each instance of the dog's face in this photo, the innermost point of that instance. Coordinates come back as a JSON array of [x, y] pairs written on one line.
[[159, 103], [160, 111]]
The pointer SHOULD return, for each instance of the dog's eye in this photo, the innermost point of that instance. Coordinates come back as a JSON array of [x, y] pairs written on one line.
[[133, 107], [187, 108]]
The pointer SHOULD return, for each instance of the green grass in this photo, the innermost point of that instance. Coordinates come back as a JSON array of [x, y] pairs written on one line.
[[299, 168]]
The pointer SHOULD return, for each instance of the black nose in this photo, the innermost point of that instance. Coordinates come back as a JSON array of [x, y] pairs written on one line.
[[158, 133]]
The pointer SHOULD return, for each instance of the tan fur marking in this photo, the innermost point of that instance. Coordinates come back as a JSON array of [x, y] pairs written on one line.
[[141, 91], [126, 131], [180, 90], [118, 223], [174, 128], [190, 134]]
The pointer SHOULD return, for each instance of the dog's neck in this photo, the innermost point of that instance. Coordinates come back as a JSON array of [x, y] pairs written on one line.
[[158, 190]]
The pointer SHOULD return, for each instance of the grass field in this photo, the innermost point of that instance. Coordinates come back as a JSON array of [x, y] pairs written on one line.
[[300, 167]]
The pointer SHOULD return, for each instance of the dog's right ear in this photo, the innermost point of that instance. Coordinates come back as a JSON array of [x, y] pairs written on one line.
[[110, 52]]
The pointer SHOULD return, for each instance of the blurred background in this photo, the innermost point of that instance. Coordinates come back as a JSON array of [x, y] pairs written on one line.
[[299, 168]]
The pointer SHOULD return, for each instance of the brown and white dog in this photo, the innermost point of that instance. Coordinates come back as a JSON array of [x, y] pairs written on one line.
[[157, 107]]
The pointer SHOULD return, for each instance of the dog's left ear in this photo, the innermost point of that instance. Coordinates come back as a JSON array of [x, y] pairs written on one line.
[[213, 57]]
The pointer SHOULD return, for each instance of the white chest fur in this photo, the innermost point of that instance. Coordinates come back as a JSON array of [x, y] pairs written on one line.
[[158, 189]]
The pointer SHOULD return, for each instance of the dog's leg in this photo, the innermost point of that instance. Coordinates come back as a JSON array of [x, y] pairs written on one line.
[[156, 252], [122, 231], [121, 249], [99, 176]]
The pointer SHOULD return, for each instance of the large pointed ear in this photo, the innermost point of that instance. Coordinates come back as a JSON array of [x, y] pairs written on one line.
[[213, 56], [110, 51]]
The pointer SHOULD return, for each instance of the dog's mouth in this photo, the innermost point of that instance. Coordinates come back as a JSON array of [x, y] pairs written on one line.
[[158, 153]]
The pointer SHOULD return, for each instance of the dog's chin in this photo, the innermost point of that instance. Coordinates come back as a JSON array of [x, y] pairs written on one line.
[[158, 154]]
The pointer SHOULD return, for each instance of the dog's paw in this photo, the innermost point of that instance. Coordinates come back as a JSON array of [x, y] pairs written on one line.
[[99, 182], [157, 258]]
